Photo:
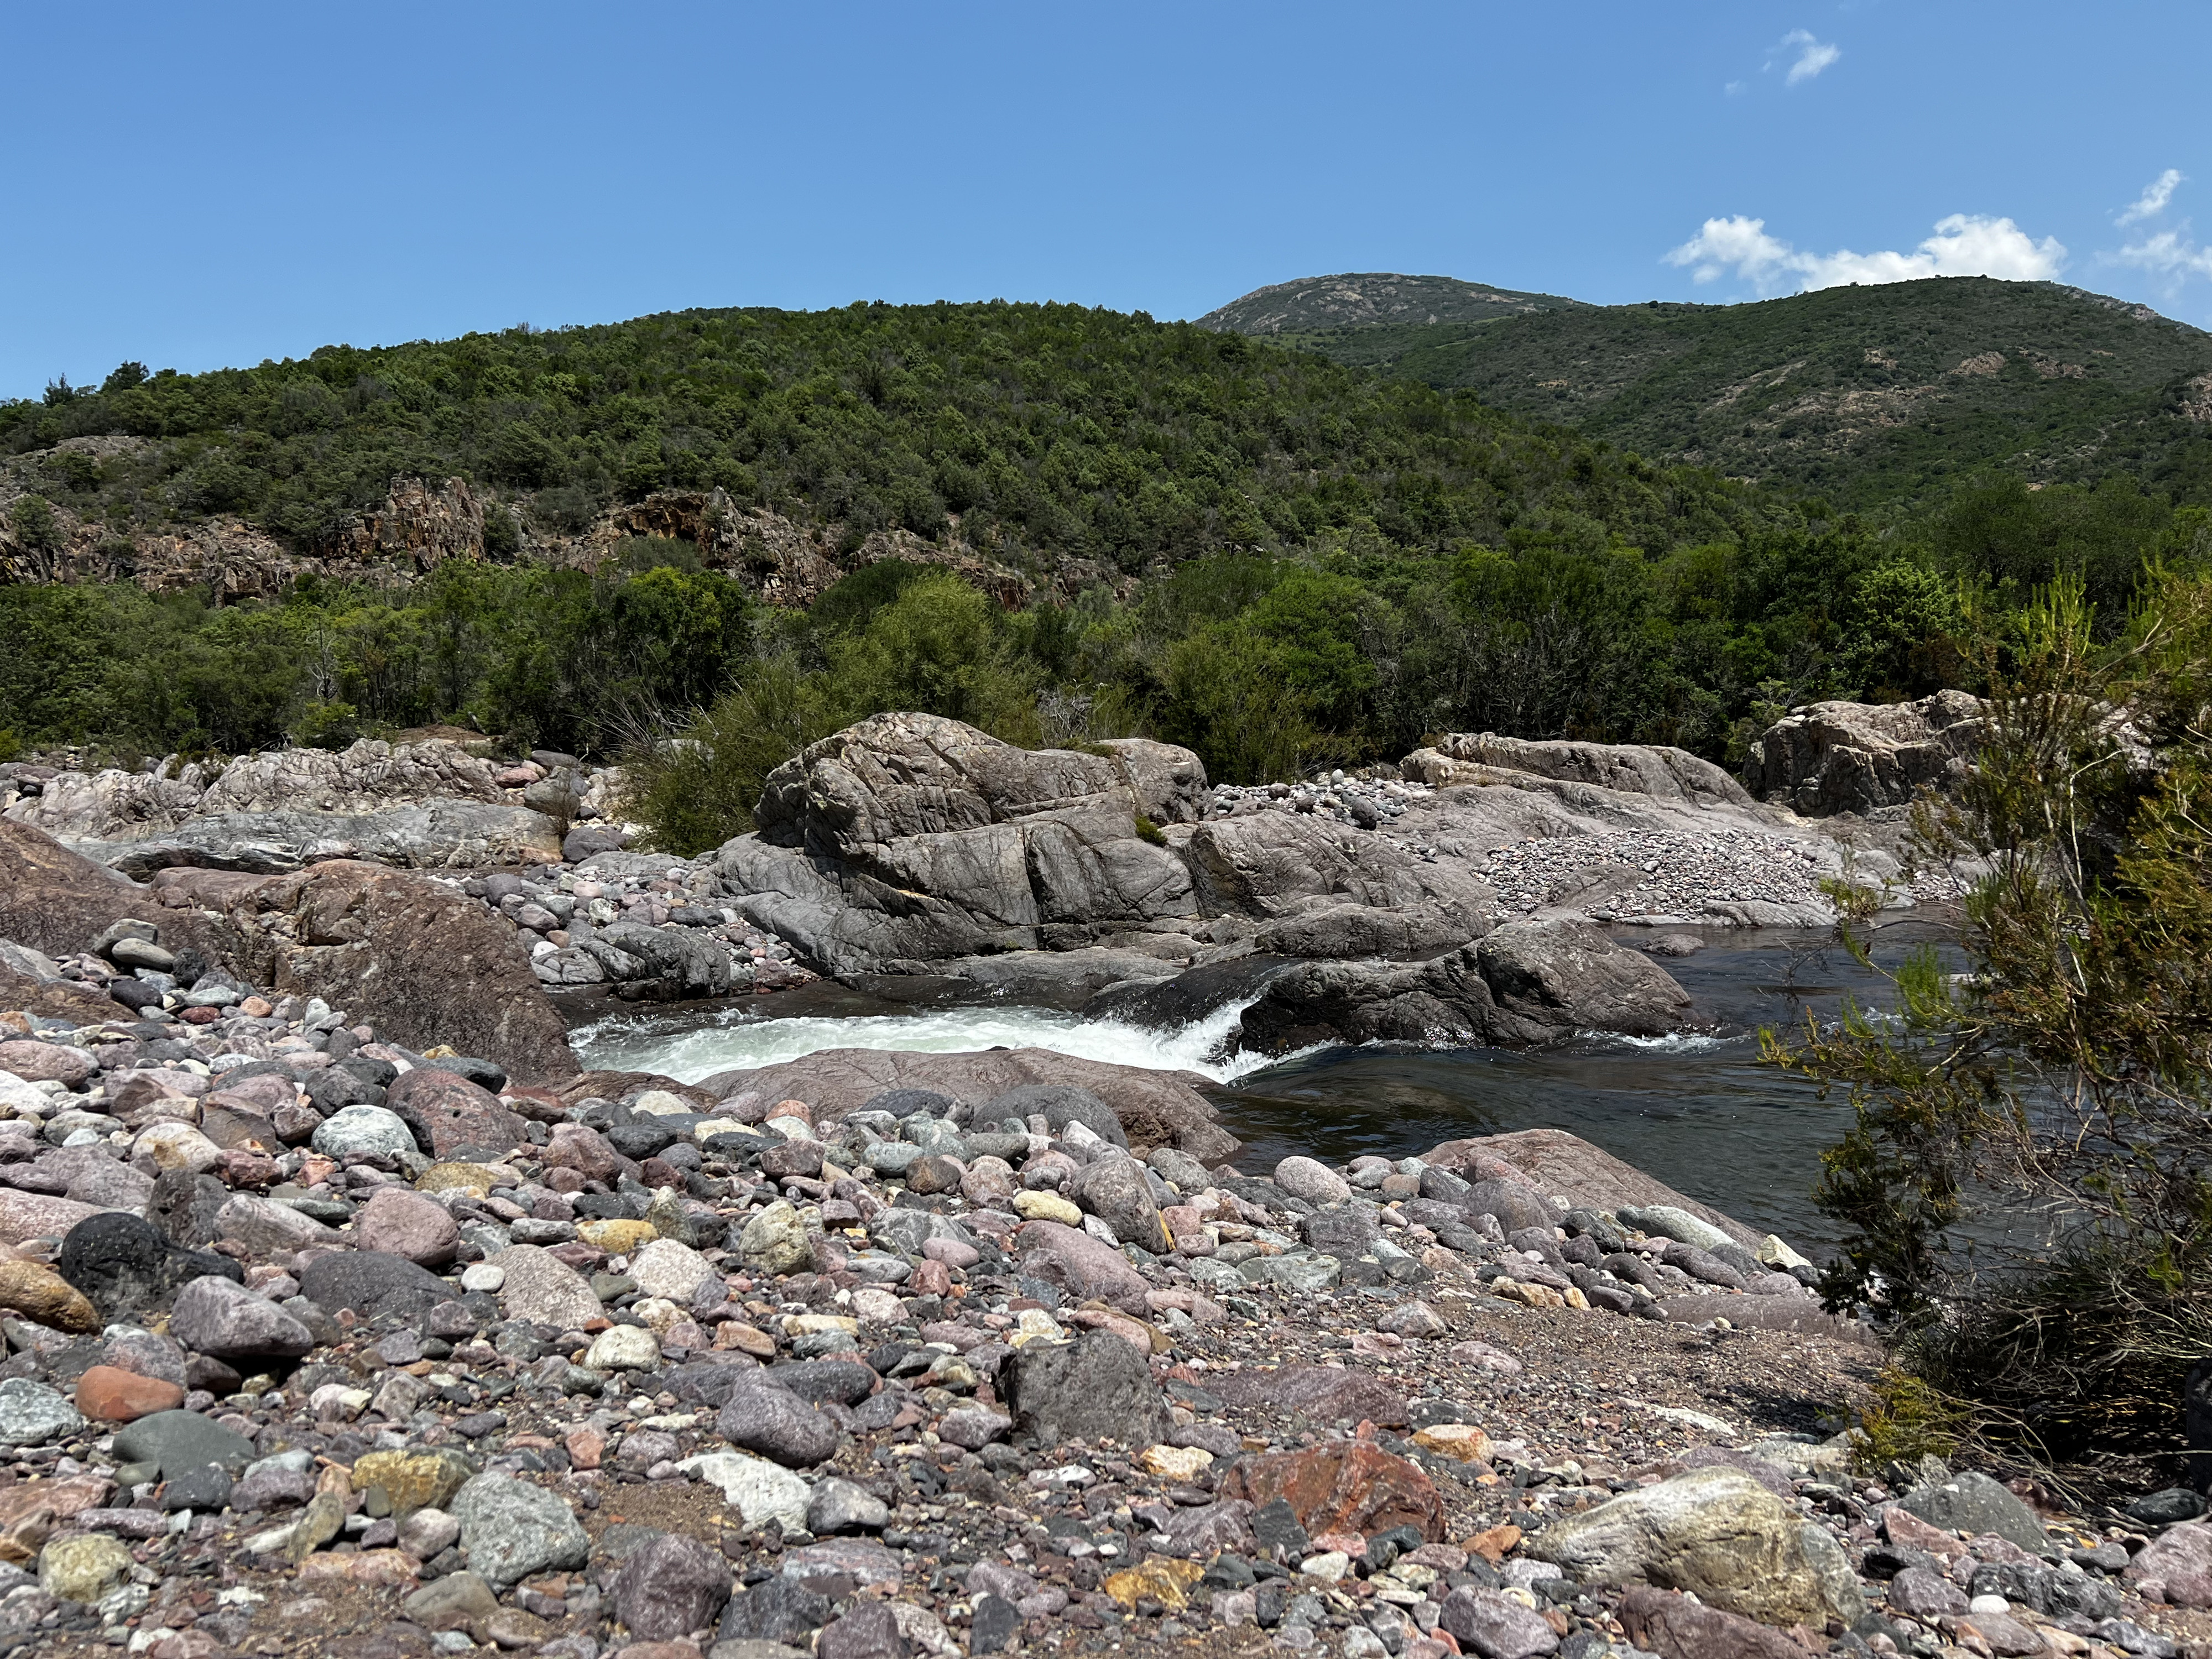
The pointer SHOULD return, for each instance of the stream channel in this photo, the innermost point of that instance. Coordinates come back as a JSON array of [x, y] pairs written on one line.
[[1699, 1112]]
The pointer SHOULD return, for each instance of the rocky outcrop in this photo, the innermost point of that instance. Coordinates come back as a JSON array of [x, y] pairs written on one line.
[[1829, 758], [424, 963], [1525, 982], [909, 837], [57, 902], [908, 841], [1653, 770], [119, 806]]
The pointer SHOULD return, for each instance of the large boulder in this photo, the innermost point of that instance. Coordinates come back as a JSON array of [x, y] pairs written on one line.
[[1855, 756], [427, 964], [57, 901], [1715, 1532], [1525, 982], [911, 837]]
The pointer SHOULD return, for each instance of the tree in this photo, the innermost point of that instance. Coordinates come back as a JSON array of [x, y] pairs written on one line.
[[2026, 1185]]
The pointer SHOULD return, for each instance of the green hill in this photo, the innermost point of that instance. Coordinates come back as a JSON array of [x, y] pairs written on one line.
[[1292, 311], [1868, 396], [1033, 435]]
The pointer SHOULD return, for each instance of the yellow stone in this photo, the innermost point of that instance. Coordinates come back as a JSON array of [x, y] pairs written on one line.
[[1160, 1579], [411, 1480], [616, 1237], [1463, 1441], [1528, 1296], [1176, 1463], [1047, 1207], [478, 1178], [45, 1297]]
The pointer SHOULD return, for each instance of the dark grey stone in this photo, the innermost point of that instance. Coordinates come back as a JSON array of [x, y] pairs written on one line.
[[1096, 1388]]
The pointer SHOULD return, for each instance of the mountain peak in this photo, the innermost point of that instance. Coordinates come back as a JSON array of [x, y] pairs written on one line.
[[1361, 299]]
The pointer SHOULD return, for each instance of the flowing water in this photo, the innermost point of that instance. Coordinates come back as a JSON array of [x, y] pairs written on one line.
[[1698, 1112]]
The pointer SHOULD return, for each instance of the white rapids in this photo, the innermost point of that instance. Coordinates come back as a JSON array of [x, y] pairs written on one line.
[[739, 1039]]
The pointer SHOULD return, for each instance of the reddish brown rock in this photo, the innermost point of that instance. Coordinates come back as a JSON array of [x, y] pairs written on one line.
[[451, 1115], [1344, 1485], [58, 901], [109, 1394], [424, 963], [402, 1223], [1672, 1625]]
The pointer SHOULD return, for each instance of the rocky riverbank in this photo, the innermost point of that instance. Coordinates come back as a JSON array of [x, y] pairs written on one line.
[[322, 1341]]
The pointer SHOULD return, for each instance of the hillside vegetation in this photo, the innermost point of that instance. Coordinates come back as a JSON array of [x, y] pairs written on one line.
[[1036, 434], [1881, 397], [1283, 562]]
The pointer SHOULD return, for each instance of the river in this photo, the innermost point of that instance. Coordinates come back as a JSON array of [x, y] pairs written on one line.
[[1699, 1111]]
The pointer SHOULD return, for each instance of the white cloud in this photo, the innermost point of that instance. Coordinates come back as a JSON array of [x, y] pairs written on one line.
[[2170, 255], [2156, 194], [1963, 245], [1812, 55]]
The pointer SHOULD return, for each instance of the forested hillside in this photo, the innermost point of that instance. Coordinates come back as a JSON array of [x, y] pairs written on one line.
[[1284, 562], [1881, 397]]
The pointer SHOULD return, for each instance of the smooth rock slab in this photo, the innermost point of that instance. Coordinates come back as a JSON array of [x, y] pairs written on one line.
[[511, 1529]]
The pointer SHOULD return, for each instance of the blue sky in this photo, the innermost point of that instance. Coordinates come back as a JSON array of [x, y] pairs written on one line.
[[199, 186]]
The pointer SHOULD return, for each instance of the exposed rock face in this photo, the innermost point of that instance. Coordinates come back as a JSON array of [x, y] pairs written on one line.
[[427, 964], [1274, 864], [1525, 982], [911, 837], [1853, 757], [435, 835], [1663, 773]]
